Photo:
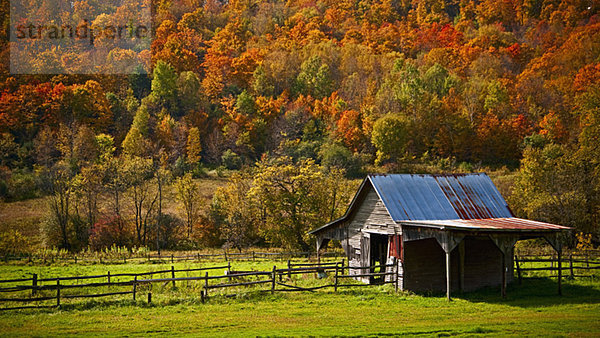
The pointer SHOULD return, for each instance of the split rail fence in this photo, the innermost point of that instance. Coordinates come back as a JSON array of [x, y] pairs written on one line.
[[112, 258], [572, 266], [274, 280]]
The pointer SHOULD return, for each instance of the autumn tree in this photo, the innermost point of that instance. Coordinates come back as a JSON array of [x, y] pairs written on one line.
[[187, 195]]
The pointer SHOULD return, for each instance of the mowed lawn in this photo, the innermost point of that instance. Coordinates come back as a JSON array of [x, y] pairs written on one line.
[[532, 308]]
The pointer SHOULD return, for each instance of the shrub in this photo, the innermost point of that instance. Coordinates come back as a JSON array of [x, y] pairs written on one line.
[[231, 160], [110, 231], [13, 242]]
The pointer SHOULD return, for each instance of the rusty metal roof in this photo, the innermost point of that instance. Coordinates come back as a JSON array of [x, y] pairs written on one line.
[[440, 197], [491, 224], [455, 201]]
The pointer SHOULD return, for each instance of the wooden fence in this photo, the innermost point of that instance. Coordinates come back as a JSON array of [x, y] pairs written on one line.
[[231, 278], [125, 257], [573, 265]]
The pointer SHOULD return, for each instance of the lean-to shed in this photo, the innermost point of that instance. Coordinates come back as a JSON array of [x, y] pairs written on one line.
[[446, 232]]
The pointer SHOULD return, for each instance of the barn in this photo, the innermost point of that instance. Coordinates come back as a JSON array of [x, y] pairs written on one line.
[[445, 232]]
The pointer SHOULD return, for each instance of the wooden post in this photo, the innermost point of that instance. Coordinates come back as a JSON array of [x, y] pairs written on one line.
[[229, 271], [75, 259], [202, 296], [206, 285], [518, 269], [397, 274], [559, 264], [172, 259], [448, 276], [335, 286], [273, 279], [571, 265], [461, 266], [173, 274], [149, 297], [134, 286], [343, 261], [34, 284], [503, 286], [225, 254], [108, 276], [58, 292], [289, 267], [253, 257]]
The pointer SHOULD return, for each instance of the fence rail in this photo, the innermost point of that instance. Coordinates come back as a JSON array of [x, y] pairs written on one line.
[[127, 257], [571, 264], [230, 279]]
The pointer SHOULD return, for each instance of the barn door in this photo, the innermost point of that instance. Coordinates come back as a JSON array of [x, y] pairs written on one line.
[[365, 252]]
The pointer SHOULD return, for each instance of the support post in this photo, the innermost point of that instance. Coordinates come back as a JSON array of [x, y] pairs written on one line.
[[134, 286], [448, 285], [206, 285], [57, 292], [173, 274], [518, 269], [461, 266], [149, 297], [503, 286], [289, 267], [559, 263], [571, 265], [397, 275], [34, 284], [335, 286], [273, 275]]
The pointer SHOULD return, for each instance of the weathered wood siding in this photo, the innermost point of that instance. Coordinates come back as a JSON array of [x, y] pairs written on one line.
[[371, 215], [425, 265]]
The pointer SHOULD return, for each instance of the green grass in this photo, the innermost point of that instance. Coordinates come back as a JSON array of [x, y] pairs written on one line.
[[533, 308]]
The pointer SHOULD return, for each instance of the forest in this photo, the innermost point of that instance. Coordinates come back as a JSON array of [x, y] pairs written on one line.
[[289, 104]]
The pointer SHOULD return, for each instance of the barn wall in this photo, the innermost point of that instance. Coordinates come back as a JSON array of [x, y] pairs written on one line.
[[483, 264], [425, 265], [372, 215]]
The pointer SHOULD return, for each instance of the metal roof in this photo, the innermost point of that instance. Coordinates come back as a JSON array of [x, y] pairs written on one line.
[[440, 197], [491, 224], [456, 201]]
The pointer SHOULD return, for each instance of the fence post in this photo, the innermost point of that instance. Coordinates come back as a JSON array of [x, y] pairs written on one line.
[[253, 257], [518, 269], [225, 254], [108, 276], [273, 279], [202, 296], [336, 278], [75, 259], [229, 271], [206, 285], [397, 275], [58, 292], [149, 297], [134, 286], [289, 268], [571, 265], [172, 258], [34, 284], [173, 274]]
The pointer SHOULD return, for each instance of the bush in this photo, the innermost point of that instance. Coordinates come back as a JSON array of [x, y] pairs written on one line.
[[13, 242], [171, 232], [336, 155], [110, 231], [231, 160], [21, 185]]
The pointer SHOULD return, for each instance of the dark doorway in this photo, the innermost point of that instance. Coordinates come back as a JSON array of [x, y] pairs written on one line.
[[379, 247]]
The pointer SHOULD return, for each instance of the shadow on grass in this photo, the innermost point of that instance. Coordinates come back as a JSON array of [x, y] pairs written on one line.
[[538, 292]]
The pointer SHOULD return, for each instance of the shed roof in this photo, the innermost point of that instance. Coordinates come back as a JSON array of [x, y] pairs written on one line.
[[455, 201]]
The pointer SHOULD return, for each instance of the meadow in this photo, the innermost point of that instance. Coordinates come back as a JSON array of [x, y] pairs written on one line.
[[532, 308]]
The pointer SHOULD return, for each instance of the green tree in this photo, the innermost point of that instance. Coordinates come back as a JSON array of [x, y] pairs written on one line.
[[390, 137], [164, 85]]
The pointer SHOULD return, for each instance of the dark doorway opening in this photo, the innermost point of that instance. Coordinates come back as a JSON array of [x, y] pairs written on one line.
[[379, 247]]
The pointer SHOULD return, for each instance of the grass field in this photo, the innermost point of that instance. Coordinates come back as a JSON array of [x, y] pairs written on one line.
[[532, 308]]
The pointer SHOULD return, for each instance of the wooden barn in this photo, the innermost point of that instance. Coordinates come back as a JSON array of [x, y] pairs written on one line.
[[445, 232]]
